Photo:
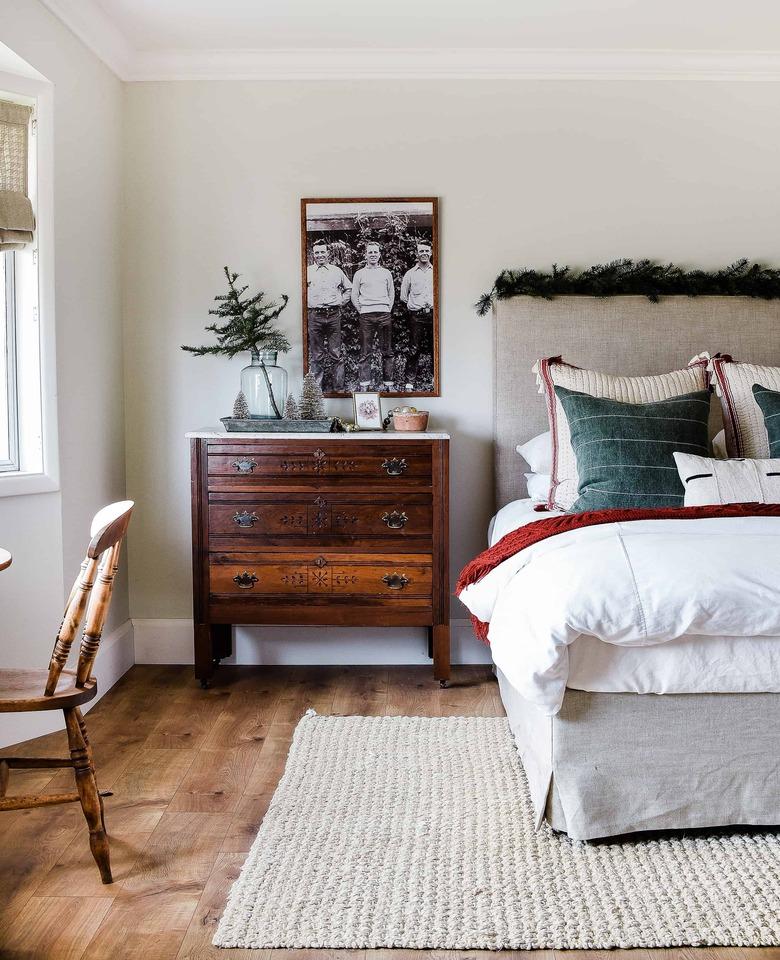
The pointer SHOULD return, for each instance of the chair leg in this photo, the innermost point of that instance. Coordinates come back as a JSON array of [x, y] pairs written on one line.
[[3, 777], [90, 757], [86, 785]]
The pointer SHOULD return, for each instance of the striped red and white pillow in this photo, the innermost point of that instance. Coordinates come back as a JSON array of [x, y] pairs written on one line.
[[553, 371], [742, 417]]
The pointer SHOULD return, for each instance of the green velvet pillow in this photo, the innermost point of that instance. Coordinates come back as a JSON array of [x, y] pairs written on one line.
[[769, 402], [625, 451]]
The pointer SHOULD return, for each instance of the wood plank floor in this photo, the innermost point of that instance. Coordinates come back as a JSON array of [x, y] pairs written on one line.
[[192, 773]]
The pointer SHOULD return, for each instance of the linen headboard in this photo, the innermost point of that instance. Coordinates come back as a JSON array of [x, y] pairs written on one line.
[[627, 335]]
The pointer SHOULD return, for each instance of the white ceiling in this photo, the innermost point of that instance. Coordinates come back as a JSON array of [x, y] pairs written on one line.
[[589, 24], [171, 39]]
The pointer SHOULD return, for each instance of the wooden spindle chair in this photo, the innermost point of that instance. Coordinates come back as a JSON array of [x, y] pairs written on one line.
[[66, 690]]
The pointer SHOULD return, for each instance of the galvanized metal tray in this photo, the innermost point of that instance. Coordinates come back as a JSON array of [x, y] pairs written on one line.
[[258, 425]]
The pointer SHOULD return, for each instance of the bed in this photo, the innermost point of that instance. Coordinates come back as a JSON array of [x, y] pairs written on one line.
[[677, 736]]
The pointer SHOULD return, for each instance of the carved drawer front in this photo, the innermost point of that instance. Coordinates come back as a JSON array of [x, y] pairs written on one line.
[[251, 463], [319, 515], [314, 574]]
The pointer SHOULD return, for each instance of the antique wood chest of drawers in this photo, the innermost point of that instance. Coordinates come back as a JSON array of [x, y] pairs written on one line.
[[339, 529]]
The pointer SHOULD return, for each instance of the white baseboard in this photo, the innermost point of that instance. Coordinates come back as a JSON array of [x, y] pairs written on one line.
[[170, 641], [115, 657]]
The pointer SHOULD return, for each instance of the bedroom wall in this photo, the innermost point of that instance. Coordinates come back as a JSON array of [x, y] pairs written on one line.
[[527, 172], [47, 533]]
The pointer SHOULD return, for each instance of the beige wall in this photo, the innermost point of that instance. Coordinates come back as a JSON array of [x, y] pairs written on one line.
[[528, 173], [47, 533]]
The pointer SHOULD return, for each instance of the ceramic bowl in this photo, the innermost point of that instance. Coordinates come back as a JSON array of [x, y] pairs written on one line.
[[417, 422]]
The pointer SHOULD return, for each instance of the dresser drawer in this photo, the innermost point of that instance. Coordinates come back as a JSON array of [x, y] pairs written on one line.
[[317, 574], [256, 517], [376, 460]]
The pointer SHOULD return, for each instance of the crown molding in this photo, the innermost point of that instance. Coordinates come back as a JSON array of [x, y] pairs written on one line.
[[454, 64], [91, 24], [97, 31]]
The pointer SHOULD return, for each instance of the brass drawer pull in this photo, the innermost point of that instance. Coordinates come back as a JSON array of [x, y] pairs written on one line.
[[245, 580], [396, 581], [395, 466], [396, 520], [244, 465], [245, 518]]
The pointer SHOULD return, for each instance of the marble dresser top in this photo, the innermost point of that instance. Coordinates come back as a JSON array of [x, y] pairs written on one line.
[[324, 437]]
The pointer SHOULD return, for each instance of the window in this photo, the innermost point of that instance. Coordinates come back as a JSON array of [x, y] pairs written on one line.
[[27, 398], [21, 435], [9, 421]]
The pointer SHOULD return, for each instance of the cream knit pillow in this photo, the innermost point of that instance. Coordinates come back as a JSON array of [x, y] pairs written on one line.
[[742, 417], [553, 372]]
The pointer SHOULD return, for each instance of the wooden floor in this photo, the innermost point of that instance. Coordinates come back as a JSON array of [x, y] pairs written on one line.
[[192, 773]]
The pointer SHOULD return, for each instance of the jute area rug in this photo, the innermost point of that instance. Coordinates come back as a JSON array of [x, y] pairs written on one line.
[[419, 833]]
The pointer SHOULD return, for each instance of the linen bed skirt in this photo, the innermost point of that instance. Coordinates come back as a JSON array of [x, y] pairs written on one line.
[[615, 763]]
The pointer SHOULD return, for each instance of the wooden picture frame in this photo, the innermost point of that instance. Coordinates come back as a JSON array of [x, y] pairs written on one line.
[[393, 352]]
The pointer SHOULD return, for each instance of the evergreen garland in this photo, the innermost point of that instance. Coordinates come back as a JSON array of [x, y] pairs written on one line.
[[641, 278]]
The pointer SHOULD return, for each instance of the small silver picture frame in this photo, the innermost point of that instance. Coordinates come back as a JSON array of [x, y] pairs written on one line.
[[368, 410]]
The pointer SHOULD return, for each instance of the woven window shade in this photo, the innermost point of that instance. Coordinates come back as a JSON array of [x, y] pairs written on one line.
[[17, 221]]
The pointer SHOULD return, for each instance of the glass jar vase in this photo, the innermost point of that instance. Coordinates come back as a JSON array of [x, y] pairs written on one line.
[[265, 386]]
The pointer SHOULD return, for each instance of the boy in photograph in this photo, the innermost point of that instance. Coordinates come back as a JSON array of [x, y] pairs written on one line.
[[327, 290], [417, 297], [373, 295]]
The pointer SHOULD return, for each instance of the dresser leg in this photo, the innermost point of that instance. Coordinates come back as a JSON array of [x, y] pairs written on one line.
[[204, 654], [221, 640], [441, 653]]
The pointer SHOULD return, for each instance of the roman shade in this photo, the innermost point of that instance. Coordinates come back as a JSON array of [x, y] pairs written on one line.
[[17, 222]]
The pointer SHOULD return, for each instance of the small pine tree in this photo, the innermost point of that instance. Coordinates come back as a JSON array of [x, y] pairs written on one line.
[[291, 411], [312, 406], [248, 325], [240, 407]]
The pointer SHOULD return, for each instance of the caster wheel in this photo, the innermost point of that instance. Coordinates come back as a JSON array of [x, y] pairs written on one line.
[[204, 684], [443, 683]]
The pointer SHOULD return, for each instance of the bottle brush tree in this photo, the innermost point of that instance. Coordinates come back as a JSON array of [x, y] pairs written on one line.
[[245, 323], [240, 407], [291, 411], [312, 406]]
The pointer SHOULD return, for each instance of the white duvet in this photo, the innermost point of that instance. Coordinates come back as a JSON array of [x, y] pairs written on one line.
[[640, 583]]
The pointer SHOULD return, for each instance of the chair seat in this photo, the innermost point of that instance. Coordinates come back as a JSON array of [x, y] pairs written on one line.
[[22, 690]]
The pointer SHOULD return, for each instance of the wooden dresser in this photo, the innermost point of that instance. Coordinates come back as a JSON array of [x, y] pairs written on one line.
[[338, 529]]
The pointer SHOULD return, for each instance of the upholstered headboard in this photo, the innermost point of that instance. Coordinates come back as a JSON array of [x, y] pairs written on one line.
[[627, 335]]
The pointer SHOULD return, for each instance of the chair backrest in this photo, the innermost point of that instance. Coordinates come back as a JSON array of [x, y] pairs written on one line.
[[101, 563]]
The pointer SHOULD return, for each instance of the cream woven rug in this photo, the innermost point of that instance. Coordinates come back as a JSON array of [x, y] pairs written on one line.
[[418, 832]]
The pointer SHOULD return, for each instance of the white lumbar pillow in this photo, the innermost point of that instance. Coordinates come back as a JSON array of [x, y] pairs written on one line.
[[708, 480], [537, 453], [538, 486]]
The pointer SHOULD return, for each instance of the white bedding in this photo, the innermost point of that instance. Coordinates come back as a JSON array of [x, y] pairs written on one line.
[[658, 606]]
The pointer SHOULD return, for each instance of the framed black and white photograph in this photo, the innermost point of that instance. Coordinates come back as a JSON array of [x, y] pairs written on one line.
[[370, 294], [368, 411]]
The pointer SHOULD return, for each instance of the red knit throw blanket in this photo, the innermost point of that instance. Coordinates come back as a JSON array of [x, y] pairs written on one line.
[[540, 530]]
